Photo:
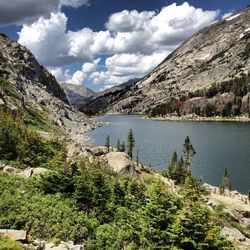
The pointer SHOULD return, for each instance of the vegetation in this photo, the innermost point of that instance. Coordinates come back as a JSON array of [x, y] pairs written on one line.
[[130, 143], [107, 143], [179, 170], [226, 182], [238, 87], [8, 244], [86, 202], [24, 147]]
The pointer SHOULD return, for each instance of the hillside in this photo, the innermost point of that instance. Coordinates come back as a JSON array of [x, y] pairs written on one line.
[[77, 95], [28, 87], [103, 99], [209, 69], [56, 191]]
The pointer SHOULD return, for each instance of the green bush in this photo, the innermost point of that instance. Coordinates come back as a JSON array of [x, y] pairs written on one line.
[[8, 244], [25, 147]]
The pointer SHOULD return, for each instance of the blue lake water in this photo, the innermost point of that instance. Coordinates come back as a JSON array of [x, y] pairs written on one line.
[[219, 145]]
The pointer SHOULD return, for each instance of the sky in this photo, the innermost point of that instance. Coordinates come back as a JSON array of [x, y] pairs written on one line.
[[102, 43]]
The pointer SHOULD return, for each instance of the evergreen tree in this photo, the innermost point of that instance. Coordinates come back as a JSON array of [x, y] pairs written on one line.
[[107, 143], [137, 157], [174, 164], [189, 152], [130, 143], [123, 147], [118, 145], [226, 182]]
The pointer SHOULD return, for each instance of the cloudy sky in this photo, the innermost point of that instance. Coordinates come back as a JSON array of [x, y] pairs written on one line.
[[101, 43]]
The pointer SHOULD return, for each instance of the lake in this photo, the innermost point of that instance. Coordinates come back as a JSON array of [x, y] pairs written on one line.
[[218, 145]]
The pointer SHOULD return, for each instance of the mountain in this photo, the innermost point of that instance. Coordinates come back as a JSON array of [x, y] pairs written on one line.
[[103, 99], [207, 74], [77, 95], [27, 87]]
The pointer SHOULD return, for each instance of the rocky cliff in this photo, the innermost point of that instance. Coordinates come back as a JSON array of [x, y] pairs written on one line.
[[77, 95], [27, 86], [215, 55], [104, 99]]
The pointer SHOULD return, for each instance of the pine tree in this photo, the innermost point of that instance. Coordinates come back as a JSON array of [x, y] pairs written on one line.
[[123, 147], [189, 152], [226, 182], [130, 143], [118, 145], [107, 143], [137, 157]]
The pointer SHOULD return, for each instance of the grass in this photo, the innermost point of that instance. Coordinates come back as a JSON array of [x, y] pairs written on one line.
[[34, 118], [9, 90]]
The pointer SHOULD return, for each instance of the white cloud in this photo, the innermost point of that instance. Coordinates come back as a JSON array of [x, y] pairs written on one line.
[[128, 21], [46, 40], [74, 3], [122, 67], [90, 67], [135, 41], [79, 43], [226, 15], [78, 78], [60, 74]]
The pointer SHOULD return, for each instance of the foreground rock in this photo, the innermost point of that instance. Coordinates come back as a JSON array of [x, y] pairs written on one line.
[[121, 164], [14, 234], [27, 173], [63, 246]]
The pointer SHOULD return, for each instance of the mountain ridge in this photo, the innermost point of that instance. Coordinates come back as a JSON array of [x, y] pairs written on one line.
[[213, 55], [27, 86]]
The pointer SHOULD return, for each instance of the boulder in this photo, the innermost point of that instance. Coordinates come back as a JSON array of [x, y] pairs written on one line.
[[14, 234], [98, 151], [27, 172], [246, 222], [11, 170], [2, 165], [37, 171], [121, 163], [230, 214], [63, 246], [77, 247], [232, 234]]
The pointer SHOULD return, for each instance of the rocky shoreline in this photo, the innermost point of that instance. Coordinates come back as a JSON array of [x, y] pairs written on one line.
[[193, 117]]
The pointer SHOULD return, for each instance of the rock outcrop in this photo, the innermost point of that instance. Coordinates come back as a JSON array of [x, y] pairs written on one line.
[[121, 164], [27, 86], [14, 234], [77, 95]]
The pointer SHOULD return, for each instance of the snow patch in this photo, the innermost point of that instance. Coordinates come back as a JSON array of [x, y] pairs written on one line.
[[244, 33], [205, 57], [232, 17], [241, 35]]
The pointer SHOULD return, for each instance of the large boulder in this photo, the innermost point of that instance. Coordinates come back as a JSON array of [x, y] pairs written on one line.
[[14, 234], [246, 222], [11, 170], [63, 246], [27, 172], [37, 171], [121, 163], [233, 234]]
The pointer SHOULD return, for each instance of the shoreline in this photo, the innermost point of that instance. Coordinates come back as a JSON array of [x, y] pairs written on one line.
[[189, 117], [196, 118]]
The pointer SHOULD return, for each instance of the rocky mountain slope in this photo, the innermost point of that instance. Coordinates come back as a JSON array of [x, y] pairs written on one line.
[[27, 86], [214, 56], [104, 99], [77, 95]]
